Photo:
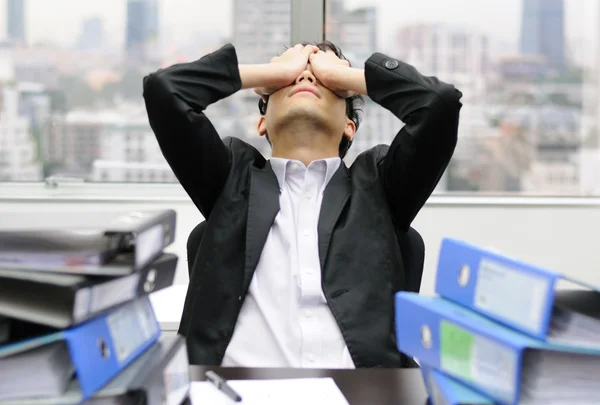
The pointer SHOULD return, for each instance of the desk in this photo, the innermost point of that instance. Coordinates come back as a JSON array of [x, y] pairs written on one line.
[[362, 386]]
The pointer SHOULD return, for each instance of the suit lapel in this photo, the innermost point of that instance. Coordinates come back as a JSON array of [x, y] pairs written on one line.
[[263, 206], [335, 197]]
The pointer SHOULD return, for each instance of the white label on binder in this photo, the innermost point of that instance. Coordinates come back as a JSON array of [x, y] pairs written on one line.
[[113, 292], [494, 366], [81, 306], [131, 326], [511, 294], [147, 244]]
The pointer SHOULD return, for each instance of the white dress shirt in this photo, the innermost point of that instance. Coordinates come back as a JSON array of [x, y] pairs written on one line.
[[285, 320]]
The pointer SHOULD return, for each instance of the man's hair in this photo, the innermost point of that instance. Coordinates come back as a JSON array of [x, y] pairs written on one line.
[[353, 103]]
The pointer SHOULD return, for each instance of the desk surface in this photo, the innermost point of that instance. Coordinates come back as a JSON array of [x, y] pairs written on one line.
[[361, 386]]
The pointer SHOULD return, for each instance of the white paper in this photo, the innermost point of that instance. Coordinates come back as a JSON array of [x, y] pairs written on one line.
[[298, 391]]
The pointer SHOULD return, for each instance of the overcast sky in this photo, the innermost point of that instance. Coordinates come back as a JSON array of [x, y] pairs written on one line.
[[60, 20]]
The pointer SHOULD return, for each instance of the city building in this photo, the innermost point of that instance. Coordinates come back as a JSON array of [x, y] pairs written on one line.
[[118, 138], [261, 29], [15, 21], [92, 34], [142, 31], [354, 31], [454, 54], [19, 160], [543, 31]]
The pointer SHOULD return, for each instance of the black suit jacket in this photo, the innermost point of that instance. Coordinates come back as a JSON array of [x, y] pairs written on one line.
[[237, 192]]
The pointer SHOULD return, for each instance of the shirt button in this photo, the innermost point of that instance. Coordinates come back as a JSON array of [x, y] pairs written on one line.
[[311, 357], [309, 271], [308, 195], [306, 233], [308, 313]]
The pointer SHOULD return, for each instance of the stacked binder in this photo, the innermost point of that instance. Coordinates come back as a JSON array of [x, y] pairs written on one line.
[[76, 322], [501, 331]]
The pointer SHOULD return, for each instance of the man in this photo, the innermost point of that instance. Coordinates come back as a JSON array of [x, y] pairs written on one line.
[[299, 261]]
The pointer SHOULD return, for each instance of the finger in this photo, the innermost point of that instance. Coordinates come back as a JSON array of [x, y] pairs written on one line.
[[309, 50]]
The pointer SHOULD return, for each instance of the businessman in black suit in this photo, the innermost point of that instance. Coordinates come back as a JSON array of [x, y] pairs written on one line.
[[299, 261]]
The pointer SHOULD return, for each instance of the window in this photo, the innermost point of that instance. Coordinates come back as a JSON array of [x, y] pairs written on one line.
[[70, 82], [529, 74]]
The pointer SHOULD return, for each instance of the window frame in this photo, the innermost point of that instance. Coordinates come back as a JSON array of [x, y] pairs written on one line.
[[307, 24], [165, 193]]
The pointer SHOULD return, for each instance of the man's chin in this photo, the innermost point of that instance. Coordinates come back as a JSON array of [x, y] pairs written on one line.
[[304, 111]]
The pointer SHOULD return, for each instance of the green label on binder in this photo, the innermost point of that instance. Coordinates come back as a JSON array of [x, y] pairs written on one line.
[[456, 348], [489, 364]]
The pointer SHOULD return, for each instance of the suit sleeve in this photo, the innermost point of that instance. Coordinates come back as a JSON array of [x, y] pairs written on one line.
[[175, 99], [421, 151]]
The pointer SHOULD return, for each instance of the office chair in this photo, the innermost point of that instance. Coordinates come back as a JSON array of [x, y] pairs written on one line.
[[412, 248], [193, 244], [411, 243]]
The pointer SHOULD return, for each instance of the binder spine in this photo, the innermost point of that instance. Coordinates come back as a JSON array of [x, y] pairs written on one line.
[[509, 291], [93, 300], [90, 301], [436, 396], [444, 390], [157, 275], [104, 346], [459, 350], [151, 241]]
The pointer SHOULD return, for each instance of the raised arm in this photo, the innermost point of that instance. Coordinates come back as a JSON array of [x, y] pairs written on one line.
[[176, 98], [421, 151]]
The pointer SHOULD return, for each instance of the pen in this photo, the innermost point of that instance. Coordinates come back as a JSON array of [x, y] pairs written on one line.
[[222, 386]]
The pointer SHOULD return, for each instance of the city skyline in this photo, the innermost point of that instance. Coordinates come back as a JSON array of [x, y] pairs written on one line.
[[183, 20], [530, 123]]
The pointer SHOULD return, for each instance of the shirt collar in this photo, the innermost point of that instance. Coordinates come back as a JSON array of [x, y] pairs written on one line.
[[280, 167]]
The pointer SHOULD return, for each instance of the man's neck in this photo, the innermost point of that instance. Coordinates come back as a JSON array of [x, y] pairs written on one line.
[[305, 147], [304, 155]]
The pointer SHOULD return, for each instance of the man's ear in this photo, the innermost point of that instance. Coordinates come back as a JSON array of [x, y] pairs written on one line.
[[350, 129], [261, 127]]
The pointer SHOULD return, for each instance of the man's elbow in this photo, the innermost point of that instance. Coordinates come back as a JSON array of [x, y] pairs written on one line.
[[449, 97], [443, 121], [150, 87], [156, 93]]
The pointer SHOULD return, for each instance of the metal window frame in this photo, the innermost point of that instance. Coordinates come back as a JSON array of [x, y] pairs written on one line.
[[151, 193]]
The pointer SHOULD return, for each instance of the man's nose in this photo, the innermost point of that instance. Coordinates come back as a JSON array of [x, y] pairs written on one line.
[[306, 75]]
